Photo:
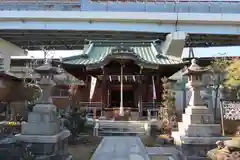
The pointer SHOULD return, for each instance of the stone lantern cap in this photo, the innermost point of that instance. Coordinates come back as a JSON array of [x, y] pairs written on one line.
[[195, 69], [47, 69]]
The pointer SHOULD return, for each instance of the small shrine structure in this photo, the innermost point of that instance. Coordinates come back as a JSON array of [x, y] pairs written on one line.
[[197, 133], [44, 131]]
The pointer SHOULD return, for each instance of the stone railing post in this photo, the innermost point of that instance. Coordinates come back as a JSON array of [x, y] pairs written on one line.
[[149, 114], [95, 129], [147, 128]]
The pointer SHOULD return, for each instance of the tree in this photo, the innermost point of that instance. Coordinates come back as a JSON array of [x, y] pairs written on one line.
[[218, 68], [169, 108], [75, 122], [233, 76]]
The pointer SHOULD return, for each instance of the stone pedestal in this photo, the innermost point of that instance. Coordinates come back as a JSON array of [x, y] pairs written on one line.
[[197, 132], [42, 120], [44, 130]]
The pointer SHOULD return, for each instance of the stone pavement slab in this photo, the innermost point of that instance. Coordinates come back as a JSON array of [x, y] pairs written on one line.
[[120, 148], [164, 152]]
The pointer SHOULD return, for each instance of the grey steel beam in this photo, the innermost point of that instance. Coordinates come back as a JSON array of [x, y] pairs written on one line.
[[34, 39]]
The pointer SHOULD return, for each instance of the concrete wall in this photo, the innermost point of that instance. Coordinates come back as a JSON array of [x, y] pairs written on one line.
[[7, 50]]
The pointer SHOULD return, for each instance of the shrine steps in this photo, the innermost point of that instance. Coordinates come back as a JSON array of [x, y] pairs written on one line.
[[121, 128]]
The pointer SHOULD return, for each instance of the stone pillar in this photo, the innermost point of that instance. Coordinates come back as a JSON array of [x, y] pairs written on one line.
[[174, 44], [46, 83], [195, 99]]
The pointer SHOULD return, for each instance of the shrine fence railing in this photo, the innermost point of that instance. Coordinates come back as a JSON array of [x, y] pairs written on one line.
[[91, 108], [151, 105], [151, 110]]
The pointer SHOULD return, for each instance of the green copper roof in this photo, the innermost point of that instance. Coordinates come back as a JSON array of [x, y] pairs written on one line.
[[144, 52]]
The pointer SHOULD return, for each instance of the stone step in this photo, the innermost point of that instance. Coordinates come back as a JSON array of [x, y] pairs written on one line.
[[107, 128], [120, 126], [107, 133], [197, 110], [199, 130], [202, 140], [40, 128], [197, 118], [122, 129]]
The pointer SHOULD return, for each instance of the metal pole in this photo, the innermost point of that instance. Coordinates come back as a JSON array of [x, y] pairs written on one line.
[[121, 112]]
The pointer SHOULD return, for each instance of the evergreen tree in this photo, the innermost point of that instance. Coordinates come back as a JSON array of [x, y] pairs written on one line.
[[168, 108], [233, 76], [218, 67], [168, 98]]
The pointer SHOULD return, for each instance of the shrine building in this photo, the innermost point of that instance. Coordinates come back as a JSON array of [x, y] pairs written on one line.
[[120, 77]]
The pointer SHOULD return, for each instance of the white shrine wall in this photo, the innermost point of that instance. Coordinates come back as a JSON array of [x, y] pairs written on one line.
[[7, 49]]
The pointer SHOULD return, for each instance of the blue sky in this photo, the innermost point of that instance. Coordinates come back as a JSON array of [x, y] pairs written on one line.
[[199, 52]]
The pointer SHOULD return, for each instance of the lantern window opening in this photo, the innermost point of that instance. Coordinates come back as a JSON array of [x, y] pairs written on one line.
[[198, 77]]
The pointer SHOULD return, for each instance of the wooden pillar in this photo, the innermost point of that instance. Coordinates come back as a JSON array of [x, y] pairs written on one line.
[[146, 88], [104, 92], [140, 86], [88, 87], [158, 88]]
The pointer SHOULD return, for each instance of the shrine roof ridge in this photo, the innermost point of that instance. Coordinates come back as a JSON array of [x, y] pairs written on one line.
[[147, 53]]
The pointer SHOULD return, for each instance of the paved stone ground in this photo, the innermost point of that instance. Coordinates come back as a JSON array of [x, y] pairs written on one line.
[[120, 148]]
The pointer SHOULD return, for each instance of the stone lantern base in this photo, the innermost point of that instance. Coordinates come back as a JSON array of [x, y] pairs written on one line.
[[197, 133], [44, 132]]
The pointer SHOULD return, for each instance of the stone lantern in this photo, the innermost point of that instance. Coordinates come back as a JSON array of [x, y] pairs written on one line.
[[46, 82], [197, 132], [44, 128], [195, 83]]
